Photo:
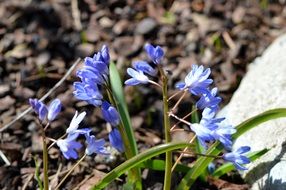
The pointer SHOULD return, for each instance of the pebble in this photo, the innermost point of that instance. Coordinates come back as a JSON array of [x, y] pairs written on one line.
[[146, 26]]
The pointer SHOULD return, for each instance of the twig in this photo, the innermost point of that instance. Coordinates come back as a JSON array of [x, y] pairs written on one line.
[[30, 177], [180, 119], [228, 40], [175, 130], [179, 101], [55, 141], [185, 117], [178, 92], [181, 155], [43, 98], [199, 154], [54, 179], [4, 158], [76, 14], [155, 83], [70, 171]]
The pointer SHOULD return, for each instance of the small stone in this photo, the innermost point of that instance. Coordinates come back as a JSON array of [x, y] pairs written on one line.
[[127, 46], [206, 24], [4, 88], [106, 22], [146, 26], [43, 59], [24, 93], [91, 35], [238, 15], [193, 35], [85, 50], [6, 103], [120, 27]]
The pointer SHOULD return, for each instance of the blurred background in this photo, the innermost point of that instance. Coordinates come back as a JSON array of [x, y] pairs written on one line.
[[40, 41]]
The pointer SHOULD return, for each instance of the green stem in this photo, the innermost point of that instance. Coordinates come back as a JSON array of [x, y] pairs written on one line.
[[70, 171], [168, 166], [45, 159], [121, 129], [134, 175]]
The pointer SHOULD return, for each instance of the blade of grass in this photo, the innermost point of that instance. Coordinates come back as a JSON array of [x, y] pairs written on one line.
[[136, 161], [134, 175], [202, 163], [199, 147], [117, 90], [37, 174], [159, 165]]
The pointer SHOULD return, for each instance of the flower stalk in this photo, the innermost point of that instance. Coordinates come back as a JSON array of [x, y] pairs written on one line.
[[134, 175], [168, 166], [45, 159]]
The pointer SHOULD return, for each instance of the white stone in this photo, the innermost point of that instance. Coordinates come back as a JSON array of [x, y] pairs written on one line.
[[263, 88]]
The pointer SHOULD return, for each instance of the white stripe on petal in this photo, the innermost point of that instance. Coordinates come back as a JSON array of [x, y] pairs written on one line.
[[75, 121]]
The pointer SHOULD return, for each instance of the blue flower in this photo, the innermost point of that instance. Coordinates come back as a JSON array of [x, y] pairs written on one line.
[[205, 129], [137, 77], [237, 158], [43, 111], [209, 100], [208, 119], [144, 67], [39, 107], [203, 133], [99, 62], [69, 146], [110, 114], [196, 81], [73, 127], [104, 54], [54, 109], [211, 128], [88, 76], [95, 65], [88, 92], [211, 168], [223, 134], [93, 75], [155, 53], [115, 140], [95, 146]]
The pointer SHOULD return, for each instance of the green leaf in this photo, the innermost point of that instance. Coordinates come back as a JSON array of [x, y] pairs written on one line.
[[134, 176], [225, 168], [117, 90], [128, 186], [202, 163], [199, 148], [159, 165], [37, 174], [136, 161]]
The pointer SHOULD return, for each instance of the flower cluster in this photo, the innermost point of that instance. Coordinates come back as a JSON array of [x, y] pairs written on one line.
[[94, 77], [237, 157], [50, 112], [210, 128], [197, 82], [141, 68], [69, 145]]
